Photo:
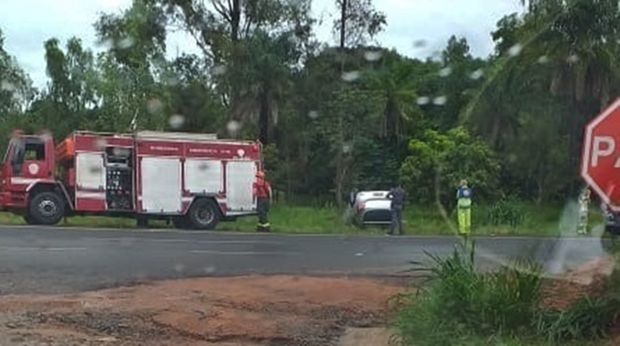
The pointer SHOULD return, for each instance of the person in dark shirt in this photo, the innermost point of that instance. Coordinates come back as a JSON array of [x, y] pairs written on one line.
[[397, 195]]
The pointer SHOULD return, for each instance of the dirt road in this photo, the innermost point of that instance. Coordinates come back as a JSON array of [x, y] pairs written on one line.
[[249, 310]]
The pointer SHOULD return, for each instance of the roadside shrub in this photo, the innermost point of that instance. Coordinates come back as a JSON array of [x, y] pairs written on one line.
[[458, 303], [506, 212], [588, 318]]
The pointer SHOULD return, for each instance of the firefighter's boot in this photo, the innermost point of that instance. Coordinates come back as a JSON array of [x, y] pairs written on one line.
[[263, 228]]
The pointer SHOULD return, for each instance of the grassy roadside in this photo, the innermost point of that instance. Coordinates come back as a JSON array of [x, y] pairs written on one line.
[[504, 218], [513, 305]]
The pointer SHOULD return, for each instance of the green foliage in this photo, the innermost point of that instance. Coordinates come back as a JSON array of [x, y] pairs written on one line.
[[511, 124], [506, 212], [588, 318], [461, 305], [438, 161], [459, 302]]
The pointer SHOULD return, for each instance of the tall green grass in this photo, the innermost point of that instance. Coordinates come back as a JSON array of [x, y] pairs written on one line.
[[506, 217], [458, 305]]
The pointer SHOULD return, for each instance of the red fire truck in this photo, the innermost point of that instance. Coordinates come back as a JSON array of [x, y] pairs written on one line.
[[193, 180]]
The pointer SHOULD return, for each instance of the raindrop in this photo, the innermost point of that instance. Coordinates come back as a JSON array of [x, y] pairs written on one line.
[[476, 74], [6, 86], [179, 268], [125, 43], [209, 269], [372, 55], [313, 114], [176, 121], [346, 148], [419, 43], [218, 70], [45, 136], [515, 50], [543, 59], [423, 100], [95, 169], [436, 56], [120, 151], [203, 166], [154, 106], [100, 144], [440, 100], [445, 72], [573, 58], [171, 80], [350, 76], [233, 127], [107, 43], [512, 158]]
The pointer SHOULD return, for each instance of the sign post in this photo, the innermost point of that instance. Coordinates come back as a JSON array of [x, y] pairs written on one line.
[[600, 163]]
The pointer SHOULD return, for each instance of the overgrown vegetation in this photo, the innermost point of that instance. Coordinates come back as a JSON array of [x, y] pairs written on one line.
[[458, 304], [345, 114]]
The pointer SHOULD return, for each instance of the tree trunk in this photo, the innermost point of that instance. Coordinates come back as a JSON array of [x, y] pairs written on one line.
[[263, 119]]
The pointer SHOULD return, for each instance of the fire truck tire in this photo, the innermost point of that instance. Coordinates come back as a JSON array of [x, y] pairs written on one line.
[[46, 208], [203, 214]]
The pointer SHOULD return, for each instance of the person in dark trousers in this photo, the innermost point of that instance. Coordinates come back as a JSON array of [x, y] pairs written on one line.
[[262, 193], [397, 195]]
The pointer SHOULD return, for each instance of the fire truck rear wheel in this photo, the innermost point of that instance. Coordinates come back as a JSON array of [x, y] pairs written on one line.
[[46, 208], [203, 214]]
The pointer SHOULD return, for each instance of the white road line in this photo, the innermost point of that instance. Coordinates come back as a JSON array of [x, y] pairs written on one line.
[[243, 253], [42, 248], [191, 240]]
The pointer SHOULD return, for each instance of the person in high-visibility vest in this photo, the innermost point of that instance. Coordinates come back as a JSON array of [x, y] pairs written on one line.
[[262, 193], [584, 208], [463, 205]]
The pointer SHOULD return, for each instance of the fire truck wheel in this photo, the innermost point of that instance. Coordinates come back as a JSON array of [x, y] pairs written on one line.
[[46, 208], [203, 214]]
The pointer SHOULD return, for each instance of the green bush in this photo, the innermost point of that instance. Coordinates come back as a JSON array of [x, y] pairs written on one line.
[[459, 303], [506, 212], [586, 319]]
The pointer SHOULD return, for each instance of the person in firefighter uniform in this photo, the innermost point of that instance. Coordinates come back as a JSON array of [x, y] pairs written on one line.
[[463, 205], [262, 193], [584, 208]]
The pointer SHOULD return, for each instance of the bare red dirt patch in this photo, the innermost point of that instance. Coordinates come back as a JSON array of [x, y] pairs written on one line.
[[252, 310]]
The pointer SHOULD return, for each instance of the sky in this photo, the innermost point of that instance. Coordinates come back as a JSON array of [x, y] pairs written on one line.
[[26, 24]]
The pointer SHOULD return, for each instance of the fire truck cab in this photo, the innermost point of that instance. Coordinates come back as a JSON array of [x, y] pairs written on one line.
[[193, 180]]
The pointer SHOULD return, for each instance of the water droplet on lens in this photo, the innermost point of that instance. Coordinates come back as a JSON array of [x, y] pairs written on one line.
[[543, 59], [419, 43], [233, 127], [476, 74], [445, 72], [7, 86], [423, 100], [440, 100], [218, 70], [350, 76], [313, 114], [125, 43], [154, 106], [176, 121], [372, 55], [515, 50]]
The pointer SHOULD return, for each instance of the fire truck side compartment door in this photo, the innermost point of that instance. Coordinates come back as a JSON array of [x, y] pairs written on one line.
[[90, 171], [161, 184], [240, 176], [203, 176]]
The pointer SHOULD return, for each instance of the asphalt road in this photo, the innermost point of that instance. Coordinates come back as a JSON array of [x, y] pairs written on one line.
[[63, 260]]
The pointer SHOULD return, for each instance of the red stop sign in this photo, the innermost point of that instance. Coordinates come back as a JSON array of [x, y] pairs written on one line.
[[600, 164]]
